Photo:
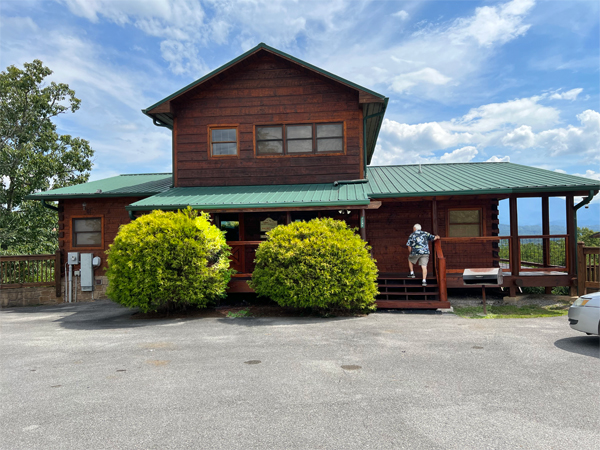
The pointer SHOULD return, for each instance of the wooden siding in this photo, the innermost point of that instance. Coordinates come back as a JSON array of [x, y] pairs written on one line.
[[113, 214], [265, 89], [389, 226]]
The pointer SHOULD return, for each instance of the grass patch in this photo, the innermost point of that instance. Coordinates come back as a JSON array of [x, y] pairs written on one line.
[[512, 312], [241, 313]]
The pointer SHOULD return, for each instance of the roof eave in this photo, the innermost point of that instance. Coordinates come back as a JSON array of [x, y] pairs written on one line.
[[556, 189]]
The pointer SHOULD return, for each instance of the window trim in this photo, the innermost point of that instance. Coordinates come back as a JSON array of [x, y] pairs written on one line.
[[223, 127], [314, 151], [84, 247], [481, 220]]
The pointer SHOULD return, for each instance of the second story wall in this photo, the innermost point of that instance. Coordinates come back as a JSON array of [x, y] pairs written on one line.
[[266, 90]]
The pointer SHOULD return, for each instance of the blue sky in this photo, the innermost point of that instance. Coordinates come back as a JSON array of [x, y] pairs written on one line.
[[467, 80]]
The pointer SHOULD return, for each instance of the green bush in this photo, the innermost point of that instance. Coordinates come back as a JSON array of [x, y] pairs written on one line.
[[318, 264], [168, 259]]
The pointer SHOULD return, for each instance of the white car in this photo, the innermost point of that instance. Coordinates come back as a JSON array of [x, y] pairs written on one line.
[[584, 314]]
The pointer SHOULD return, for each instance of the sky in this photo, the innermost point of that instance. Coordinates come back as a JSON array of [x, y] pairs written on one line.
[[468, 81]]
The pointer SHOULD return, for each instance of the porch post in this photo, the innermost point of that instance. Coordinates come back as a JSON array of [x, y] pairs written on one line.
[[546, 231], [515, 256], [571, 244], [434, 216], [363, 225]]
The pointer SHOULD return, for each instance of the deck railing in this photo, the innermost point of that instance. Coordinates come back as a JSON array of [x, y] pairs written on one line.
[[440, 270], [30, 271], [536, 253], [588, 270], [242, 255]]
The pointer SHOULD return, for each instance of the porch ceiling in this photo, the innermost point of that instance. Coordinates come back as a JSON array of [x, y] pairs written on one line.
[[256, 197]]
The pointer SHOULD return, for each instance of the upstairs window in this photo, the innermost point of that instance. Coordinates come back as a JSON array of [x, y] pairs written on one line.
[[299, 139], [464, 222], [87, 232], [223, 141]]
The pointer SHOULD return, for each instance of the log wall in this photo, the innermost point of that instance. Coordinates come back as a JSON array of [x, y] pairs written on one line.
[[265, 89], [389, 226]]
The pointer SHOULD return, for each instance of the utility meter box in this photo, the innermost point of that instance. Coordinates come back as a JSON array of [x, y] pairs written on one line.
[[73, 258], [87, 272]]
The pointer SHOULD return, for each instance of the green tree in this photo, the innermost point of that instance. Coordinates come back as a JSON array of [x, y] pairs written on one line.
[[168, 259], [585, 235], [34, 156], [317, 264]]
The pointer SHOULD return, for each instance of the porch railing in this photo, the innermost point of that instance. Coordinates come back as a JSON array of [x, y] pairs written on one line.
[[588, 270], [536, 253], [30, 271], [242, 255]]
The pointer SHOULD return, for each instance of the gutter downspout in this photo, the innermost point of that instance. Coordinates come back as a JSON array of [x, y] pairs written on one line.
[[380, 113], [131, 215], [46, 205], [584, 202]]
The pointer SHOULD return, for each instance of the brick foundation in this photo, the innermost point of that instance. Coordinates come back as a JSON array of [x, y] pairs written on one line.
[[46, 295]]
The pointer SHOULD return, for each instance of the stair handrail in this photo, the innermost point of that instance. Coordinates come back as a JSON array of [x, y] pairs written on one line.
[[440, 269]]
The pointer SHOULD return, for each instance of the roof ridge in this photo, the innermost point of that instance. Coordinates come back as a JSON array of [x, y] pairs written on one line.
[[444, 164]]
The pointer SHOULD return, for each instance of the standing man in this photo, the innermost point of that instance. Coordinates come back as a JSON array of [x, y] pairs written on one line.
[[418, 249]]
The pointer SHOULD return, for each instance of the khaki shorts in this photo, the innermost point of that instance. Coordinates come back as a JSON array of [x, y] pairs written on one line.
[[422, 260]]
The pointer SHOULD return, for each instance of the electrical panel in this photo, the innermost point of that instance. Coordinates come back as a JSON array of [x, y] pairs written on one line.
[[73, 258], [87, 272]]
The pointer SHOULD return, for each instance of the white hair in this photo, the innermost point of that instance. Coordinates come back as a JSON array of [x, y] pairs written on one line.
[[417, 227]]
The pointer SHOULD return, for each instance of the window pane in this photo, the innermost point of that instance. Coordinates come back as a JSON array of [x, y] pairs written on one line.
[[330, 145], [269, 133], [224, 149], [300, 146], [330, 130], [87, 225], [227, 135], [464, 230], [464, 216], [93, 239], [270, 147], [298, 131]]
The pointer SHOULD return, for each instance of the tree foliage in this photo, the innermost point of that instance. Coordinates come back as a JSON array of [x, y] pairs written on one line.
[[321, 263], [33, 155], [168, 258]]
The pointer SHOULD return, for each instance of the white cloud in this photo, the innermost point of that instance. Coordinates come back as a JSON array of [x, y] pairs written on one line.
[[495, 115], [424, 76], [493, 24], [589, 174], [402, 15], [499, 159], [569, 95], [523, 125], [583, 140], [460, 155]]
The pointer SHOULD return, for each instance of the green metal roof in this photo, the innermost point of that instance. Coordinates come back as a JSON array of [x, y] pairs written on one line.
[[247, 197], [119, 186], [470, 179]]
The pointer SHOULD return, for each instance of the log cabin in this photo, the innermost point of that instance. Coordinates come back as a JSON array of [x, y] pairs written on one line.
[[268, 139]]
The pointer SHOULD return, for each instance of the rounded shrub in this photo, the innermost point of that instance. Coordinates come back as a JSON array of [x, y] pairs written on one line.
[[168, 259], [318, 264]]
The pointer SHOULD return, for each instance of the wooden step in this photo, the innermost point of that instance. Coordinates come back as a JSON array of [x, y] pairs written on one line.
[[411, 294], [415, 285], [412, 304]]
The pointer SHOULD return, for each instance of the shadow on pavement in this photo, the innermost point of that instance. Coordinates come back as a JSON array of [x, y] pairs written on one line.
[[282, 321], [583, 345]]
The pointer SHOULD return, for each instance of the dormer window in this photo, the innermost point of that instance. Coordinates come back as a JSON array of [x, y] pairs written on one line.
[[223, 141], [299, 139]]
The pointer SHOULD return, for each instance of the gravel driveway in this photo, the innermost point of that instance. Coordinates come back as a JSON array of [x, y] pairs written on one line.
[[86, 376]]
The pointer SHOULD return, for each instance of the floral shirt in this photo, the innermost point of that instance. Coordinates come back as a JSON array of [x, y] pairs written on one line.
[[419, 242]]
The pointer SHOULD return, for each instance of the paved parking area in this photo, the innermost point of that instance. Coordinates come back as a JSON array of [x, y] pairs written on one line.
[[86, 376]]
